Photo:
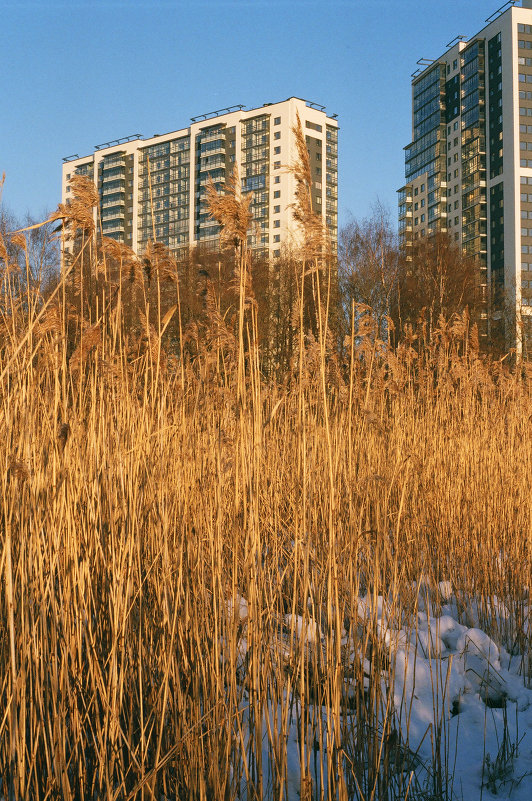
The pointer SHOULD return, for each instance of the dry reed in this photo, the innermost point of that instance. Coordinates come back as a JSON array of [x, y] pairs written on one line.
[[133, 531]]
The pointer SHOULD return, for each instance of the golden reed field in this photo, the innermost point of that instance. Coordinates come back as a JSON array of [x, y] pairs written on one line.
[[222, 579]]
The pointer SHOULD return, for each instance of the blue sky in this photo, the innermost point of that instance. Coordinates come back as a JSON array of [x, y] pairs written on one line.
[[74, 74]]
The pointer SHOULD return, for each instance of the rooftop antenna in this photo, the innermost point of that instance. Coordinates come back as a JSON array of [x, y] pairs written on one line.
[[500, 10], [459, 38], [210, 114]]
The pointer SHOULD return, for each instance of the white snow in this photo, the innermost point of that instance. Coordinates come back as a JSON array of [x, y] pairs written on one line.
[[452, 683]]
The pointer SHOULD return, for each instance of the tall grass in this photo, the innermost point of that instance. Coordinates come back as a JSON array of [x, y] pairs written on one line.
[[176, 530]]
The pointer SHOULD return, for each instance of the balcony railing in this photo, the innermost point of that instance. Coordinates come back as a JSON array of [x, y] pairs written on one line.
[[116, 177], [121, 201], [109, 190], [107, 164]]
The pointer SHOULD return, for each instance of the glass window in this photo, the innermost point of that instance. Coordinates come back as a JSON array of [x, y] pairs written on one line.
[[277, 121]]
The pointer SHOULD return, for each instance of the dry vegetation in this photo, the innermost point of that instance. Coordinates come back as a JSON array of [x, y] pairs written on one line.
[[149, 483]]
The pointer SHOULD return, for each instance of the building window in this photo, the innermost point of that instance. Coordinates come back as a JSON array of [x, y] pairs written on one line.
[[277, 223], [276, 165], [277, 121], [277, 193], [277, 150], [277, 238], [277, 135], [276, 209], [277, 179]]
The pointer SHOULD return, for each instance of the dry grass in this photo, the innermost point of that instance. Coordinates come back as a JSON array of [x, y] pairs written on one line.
[[140, 501]]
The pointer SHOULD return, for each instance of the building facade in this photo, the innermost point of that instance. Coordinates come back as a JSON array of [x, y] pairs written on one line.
[[468, 168], [154, 188]]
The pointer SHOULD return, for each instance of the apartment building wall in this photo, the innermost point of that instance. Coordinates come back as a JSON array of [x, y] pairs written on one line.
[[154, 188], [477, 162]]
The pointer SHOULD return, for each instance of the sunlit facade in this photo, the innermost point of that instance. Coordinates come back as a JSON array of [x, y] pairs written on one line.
[[468, 168], [154, 189]]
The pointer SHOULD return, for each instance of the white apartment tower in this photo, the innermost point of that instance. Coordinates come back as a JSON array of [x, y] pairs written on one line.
[[469, 165], [154, 188]]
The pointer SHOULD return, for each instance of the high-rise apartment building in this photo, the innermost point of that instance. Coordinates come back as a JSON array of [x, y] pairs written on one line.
[[154, 188], [469, 165]]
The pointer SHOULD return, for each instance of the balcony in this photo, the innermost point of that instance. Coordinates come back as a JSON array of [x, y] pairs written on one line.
[[107, 164], [115, 177], [208, 136], [211, 147], [109, 190], [121, 201]]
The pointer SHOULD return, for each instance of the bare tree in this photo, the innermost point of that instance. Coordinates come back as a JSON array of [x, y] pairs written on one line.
[[368, 266], [38, 259], [435, 278]]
